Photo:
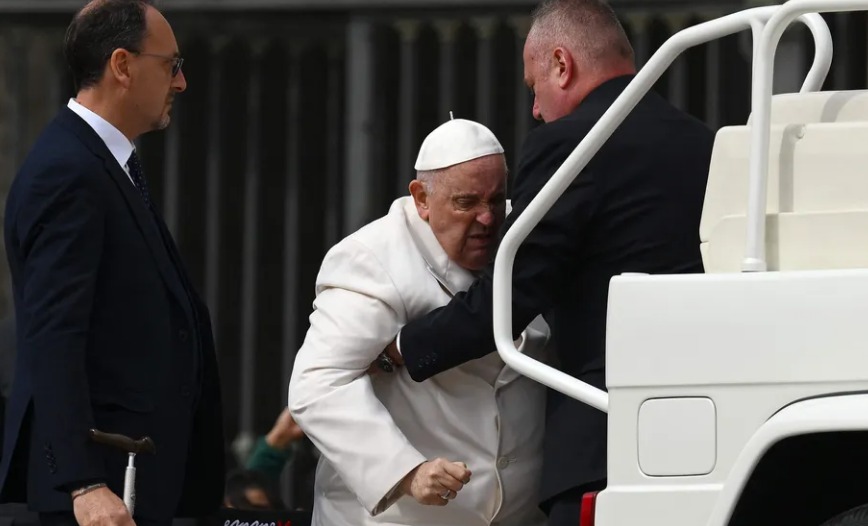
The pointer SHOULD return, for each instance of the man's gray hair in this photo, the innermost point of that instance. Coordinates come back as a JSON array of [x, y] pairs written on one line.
[[588, 28], [427, 177]]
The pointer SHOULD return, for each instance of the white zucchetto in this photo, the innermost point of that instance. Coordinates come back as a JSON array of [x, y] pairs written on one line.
[[456, 141]]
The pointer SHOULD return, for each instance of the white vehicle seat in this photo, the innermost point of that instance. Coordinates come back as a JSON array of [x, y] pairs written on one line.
[[817, 199]]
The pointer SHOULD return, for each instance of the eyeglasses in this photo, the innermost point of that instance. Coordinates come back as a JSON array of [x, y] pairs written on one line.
[[177, 62]]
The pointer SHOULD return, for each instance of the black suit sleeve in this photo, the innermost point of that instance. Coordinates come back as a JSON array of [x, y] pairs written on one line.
[[60, 228], [462, 330]]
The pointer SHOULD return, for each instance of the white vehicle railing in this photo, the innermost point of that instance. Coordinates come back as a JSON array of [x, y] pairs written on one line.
[[761, 102], [776, 19]]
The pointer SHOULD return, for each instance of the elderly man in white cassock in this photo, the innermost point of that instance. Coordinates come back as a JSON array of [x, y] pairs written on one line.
[[462, 448]]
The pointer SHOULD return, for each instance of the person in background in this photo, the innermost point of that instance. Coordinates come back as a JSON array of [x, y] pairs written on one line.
[[273, 450]]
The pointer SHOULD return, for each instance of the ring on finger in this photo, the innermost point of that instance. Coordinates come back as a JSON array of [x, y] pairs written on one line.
[[385, 362], [446, 494]]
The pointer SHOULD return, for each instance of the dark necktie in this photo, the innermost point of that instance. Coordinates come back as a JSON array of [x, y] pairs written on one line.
[[138, 177]]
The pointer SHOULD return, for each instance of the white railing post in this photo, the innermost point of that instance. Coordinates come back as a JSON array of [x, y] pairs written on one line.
[[761, 103]]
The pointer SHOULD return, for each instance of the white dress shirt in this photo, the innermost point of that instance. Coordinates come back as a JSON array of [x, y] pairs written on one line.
[[120, 147]]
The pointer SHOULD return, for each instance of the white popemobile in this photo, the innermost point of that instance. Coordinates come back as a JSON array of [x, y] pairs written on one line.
[[739, 396]]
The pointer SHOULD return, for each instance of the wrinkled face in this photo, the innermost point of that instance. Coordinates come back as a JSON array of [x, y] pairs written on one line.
[[546, 76], [153, 85], [466, 208]]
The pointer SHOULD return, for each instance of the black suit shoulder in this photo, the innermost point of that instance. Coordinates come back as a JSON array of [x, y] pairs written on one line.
[[46, 189], [548, 145], [63, 141], [544, 150], [59, 159], [558, 137]]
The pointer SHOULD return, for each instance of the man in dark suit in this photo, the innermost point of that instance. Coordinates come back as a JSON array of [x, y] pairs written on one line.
[[111, 334], [635, 208]]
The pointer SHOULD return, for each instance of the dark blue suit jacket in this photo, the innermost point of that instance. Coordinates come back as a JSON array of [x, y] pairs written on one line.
[[635, 208], [110, 335]]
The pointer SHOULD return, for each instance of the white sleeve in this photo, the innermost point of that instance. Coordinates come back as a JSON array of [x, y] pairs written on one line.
[[357, 312]]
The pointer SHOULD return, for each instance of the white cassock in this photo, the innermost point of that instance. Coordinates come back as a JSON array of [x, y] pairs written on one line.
[[371, 431]]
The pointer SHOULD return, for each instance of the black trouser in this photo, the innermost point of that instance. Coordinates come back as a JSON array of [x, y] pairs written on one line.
[[565, 509]]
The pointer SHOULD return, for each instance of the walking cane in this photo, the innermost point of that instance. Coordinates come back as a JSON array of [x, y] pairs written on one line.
[[132, 448]]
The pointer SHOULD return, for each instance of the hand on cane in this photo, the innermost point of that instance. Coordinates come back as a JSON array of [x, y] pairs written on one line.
[[101, 507]]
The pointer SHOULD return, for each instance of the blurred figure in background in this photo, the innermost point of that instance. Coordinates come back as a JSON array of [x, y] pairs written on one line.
[[273, 450], [248, 489]]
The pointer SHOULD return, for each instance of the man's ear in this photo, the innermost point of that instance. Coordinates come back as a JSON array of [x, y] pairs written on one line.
[[420, 197], [565, 66], [119, 66]]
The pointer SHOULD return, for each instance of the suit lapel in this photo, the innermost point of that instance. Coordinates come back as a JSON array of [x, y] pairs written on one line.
[[147, 222], [145, 219]]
